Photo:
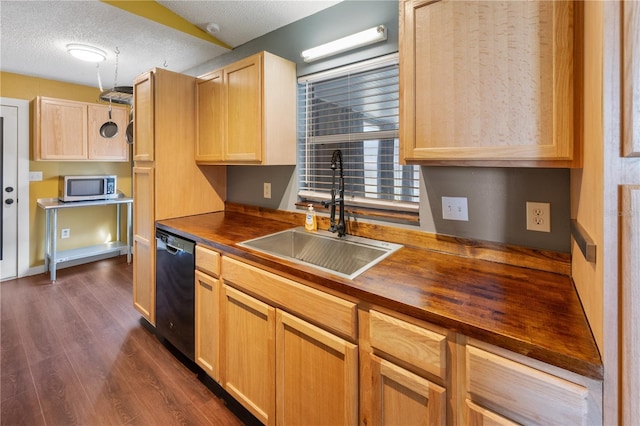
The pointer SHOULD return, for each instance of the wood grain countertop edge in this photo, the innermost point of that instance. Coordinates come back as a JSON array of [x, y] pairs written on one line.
[[588, 364]]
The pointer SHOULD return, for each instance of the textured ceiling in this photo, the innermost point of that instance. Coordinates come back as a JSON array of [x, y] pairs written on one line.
[[33, 35]]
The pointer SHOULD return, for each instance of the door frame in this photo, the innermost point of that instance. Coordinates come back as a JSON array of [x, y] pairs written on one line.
[[22, 193]]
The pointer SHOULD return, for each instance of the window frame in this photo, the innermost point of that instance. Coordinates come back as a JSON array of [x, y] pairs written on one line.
[[362, 205]]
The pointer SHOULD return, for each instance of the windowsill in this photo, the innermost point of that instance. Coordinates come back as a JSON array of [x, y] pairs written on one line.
[[364, 212]]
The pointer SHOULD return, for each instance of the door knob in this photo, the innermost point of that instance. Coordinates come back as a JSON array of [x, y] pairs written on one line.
[[8, 201]]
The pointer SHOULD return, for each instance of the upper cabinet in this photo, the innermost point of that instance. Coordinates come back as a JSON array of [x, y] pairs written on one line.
[[487, 83], [103, 148], [210, 117], [247, 113], [70, 131], [144, 131]]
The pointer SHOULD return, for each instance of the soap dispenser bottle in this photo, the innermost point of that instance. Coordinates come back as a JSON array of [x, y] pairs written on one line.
[[310, 222]]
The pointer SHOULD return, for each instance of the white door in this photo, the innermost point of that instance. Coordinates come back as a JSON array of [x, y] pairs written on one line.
[[9, 187]]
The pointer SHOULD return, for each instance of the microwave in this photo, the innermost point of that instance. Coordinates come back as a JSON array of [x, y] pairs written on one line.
[[86, 188]]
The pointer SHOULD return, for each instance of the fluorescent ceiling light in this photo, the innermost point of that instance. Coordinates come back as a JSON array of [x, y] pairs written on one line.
[[86, 53], [363, 38]]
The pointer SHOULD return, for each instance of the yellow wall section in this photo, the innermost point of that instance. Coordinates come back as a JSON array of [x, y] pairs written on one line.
[[88, 225], [158, 13]]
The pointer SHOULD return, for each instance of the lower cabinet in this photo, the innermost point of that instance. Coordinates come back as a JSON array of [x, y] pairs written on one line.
[[292, 354], [405, 373], [249, 353], [206, 327], [400, 397], [144, 243], [207, 296], [316, 375], [478, 416], [502, 387], [285, 369]]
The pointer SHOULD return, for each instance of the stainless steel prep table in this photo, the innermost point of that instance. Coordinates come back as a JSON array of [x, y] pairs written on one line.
[[52, 257]]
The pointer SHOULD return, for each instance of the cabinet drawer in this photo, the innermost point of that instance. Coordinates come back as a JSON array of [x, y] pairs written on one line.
[[410, 343], [523, 393], [328, 311], [208, 261]]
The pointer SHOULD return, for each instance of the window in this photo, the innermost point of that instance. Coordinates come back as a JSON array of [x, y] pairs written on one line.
[[354, 109]]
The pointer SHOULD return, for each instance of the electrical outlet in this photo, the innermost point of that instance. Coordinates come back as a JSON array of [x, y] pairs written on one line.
[[538, 217], [35, 176], [65, 233], [267, 190], [455, 208]]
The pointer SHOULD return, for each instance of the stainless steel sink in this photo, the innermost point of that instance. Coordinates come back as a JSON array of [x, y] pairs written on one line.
[[348, 256]]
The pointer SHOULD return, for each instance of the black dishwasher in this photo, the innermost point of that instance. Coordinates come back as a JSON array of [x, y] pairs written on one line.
[[175, 265]]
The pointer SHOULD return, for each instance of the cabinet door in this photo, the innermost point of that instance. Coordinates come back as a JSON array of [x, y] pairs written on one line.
[[143, 117], [107, 149], [631, 78], [210, 127], [630, 303], [487, 80], [478, 416], [207, 323], [144, 243], [317, 375], [403, 398], [243, 107], [61, 130], [249, 353]]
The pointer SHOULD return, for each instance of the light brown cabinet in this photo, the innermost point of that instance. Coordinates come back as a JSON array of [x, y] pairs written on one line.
[[630, 306], [478, 416], [143, 119], [246, 113], [249, 353], [298, 344], [487, 83], [167, 182], [292, 354], [499, 384], [316, 374], [144, 243], [207, 311], [70, 131], [210, 118], [402, 397], [401, 364], [101, 148], [631, 78]]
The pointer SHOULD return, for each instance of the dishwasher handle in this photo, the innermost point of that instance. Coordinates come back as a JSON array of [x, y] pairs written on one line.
[[173, 244], [172, 249]]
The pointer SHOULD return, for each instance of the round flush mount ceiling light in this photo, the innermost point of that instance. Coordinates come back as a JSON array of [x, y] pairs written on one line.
[[213, 28], [86, 53]]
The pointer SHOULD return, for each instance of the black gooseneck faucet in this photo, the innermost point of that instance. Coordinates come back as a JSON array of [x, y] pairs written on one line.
[[336, 161]]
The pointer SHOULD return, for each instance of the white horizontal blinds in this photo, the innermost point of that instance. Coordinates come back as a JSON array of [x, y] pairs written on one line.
[[355, 109]]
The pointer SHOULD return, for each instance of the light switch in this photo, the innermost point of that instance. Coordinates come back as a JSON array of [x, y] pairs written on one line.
[[455, 208]]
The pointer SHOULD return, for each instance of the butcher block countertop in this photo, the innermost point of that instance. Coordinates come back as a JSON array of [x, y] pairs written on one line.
[[532, 312]]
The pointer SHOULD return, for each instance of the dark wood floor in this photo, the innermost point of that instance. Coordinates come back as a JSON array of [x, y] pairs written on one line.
[[74, 353]]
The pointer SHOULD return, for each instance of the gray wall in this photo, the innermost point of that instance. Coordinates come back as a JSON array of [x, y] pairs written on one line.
[[496, 196]]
